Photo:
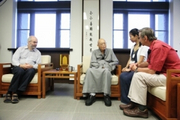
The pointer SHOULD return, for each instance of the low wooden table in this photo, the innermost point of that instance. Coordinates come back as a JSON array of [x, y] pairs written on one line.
[[56, 74]]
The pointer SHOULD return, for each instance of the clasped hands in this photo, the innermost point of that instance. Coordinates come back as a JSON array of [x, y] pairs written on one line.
[[26, 66], [131, 67]]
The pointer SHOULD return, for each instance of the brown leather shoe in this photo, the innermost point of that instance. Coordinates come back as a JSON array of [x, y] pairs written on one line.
[[127, 106], [136, 112]]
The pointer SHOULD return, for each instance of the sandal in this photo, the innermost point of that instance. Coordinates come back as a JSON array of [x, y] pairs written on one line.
[[7, 98], [15, 99]]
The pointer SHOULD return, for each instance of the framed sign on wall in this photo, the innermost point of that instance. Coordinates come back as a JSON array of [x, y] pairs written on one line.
[[91, 13]]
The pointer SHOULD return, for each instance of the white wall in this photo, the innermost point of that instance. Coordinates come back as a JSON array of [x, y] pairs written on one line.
[[175, 24], [76, 32], [106, 13], [7, 29]]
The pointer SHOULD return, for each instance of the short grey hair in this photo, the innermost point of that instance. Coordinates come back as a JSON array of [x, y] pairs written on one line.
[[148, 32], [30, 38]]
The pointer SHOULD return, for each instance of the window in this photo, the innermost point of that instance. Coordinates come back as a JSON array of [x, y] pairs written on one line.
[[129, 17], [118, 31], [45, 32], [51, 27], [161, 27], [23, 28], [137, 21]]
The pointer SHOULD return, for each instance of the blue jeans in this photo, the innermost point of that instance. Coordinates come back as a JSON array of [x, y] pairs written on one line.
[[125, 81]]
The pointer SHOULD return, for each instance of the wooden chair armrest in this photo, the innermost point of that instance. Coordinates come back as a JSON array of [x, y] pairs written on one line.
[[172, 71], [5, 63], [171, 78], [178, 99], [118, 70], [79, 72], [50, 64], [5, 68], [171, 87], [80, 65], [47, 66], [178, 103], [79, 68]]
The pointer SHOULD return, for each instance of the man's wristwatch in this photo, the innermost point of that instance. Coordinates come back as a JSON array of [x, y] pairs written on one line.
[[136, 70]]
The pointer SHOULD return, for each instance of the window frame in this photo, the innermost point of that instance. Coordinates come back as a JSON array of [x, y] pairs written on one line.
[[152, 8], [31, 7]]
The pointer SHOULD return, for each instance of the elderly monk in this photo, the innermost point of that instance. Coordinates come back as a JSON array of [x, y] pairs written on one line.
[[98, 76]]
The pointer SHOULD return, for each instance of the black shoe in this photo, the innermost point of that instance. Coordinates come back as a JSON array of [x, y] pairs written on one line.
[[107, 100], [91, 99], [7, 98]]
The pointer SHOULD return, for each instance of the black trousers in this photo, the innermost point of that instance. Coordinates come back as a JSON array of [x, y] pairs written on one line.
[[21, 78], [125, 82]]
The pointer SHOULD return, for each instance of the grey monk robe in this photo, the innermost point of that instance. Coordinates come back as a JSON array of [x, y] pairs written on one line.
[[98, 76]]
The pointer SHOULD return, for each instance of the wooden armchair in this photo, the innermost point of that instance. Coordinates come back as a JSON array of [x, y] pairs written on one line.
[[81, 70], [178, 103], [34, 88], [164, 100]]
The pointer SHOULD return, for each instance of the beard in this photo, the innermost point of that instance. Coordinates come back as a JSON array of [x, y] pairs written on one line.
[[33, 46]]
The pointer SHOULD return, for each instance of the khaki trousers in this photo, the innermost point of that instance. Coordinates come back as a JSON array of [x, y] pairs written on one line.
[[140, 82]]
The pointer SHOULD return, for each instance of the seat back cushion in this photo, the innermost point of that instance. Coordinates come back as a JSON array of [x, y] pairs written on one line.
[[86, 63], [159, 92], [8, 77], [45, 59], [114, 80]]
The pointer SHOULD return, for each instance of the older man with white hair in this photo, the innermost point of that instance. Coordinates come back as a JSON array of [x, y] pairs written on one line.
[[25, 61]]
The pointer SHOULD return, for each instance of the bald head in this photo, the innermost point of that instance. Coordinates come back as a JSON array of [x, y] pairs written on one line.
[[102, 44], [100, 41]]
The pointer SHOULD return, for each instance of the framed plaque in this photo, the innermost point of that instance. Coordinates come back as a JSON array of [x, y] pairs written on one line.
[[91, 27]]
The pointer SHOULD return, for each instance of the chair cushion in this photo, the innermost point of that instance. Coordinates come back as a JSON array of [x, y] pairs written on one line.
[[86, 63], [8, 77], [159, 92], [45, 59], [114, 80]]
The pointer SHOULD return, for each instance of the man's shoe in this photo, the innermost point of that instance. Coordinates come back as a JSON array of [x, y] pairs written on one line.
[[15, 98], [136, 112], [91, 99], [107, 100], [127, 106], [7, 98]]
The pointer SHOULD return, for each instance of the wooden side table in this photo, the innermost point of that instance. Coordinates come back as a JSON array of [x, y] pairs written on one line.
[[56, 74]]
